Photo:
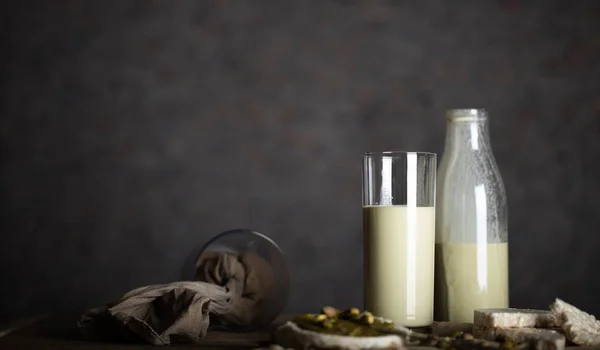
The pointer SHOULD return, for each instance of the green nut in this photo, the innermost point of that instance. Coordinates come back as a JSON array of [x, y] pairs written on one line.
[[321, 317], [367, 318], [353, 311]]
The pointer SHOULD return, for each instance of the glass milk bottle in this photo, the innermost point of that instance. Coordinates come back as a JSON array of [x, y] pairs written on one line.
[[471, 222]]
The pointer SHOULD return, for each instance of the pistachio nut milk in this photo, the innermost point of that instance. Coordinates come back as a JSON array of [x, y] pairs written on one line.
[[470, 276], [399, 263], [471, 223]]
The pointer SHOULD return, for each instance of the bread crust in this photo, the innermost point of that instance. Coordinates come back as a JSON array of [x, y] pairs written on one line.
[[580, 327], [514, 318]]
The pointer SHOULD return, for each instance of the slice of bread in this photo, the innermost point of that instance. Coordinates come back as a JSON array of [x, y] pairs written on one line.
[[290, 335], [580, 327], [514, 318]]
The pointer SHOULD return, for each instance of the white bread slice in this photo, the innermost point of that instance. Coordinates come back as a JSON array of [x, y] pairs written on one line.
[[289, 335], [580, 327], [514, 318]]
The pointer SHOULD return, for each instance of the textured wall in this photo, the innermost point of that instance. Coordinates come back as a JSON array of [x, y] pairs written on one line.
[[132, 131]]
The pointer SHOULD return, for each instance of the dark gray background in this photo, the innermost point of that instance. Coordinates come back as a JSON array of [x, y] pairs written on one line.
[[132, 131]]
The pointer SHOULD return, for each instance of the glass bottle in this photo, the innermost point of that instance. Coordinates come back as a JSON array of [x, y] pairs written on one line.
[[269, 271], [471, 222]]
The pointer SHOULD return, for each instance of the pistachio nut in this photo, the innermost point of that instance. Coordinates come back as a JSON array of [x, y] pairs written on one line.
[[330, 311], [353, 312], [320, 317], [367, 318]]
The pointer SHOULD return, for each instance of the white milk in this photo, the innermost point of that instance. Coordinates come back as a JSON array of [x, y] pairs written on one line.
[[472, 277], [399, 263]]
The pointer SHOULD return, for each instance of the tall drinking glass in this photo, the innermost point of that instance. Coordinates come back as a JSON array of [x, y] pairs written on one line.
[[269, 270], [399, 235]]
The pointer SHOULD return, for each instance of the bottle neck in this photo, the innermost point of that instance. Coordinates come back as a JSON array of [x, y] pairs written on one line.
[[467, 133]]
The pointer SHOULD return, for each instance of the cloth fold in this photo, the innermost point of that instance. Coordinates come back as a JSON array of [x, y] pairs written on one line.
[[229, 289]]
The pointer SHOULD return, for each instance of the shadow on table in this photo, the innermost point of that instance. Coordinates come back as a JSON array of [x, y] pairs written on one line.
[[65, 328], [61, 332]]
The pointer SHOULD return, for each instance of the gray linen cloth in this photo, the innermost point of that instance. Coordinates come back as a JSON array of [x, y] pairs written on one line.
[[230, 290]]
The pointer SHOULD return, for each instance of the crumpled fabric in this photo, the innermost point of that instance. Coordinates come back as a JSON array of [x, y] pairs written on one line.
[[229, 289]]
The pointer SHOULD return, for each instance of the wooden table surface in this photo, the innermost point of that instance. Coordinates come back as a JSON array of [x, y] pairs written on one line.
[[60, 332]]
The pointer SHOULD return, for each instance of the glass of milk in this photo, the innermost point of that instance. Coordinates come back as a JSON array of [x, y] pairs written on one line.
[[399, 235]]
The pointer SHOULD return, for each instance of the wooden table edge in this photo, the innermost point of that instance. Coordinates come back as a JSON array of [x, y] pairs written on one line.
[[12, 326]]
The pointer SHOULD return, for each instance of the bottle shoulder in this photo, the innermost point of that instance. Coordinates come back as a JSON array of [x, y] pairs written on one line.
[[480, 166], [464, 183]]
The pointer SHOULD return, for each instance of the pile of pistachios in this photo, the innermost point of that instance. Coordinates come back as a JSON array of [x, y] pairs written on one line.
[[350, 322], [356, 323]]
